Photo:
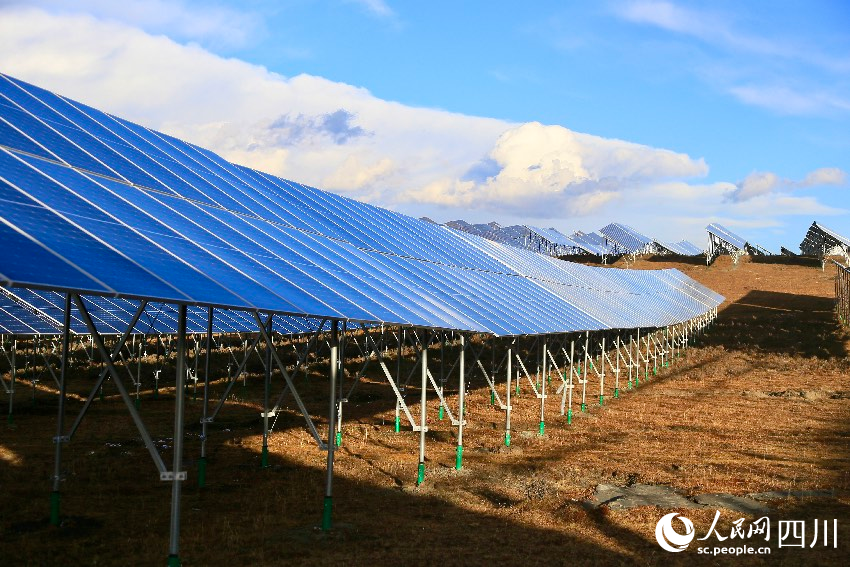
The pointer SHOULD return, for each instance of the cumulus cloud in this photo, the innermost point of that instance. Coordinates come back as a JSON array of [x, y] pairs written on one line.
[[342, 138], [764, 183], [210, 25], [536, 168]]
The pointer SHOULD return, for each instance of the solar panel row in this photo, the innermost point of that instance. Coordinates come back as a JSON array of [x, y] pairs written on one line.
[[627, 238], [99, 205], [820, 240], [40, 312], [684, 248], [727, 236]]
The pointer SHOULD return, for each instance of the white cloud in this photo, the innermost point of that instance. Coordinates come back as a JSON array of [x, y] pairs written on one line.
[[787, 72], [342, 138], [788, 100], [762, 183], [185, 20]]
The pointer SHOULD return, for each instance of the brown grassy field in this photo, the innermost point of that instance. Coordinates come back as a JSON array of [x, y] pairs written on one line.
[[761, 403]]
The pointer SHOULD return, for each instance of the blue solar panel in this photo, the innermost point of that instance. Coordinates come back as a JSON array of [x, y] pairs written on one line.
[[191, 227], [627, 238], [727, 236]]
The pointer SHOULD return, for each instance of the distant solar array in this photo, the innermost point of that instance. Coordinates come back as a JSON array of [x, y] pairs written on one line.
[[613, 240], [821, 241], [721, 240]]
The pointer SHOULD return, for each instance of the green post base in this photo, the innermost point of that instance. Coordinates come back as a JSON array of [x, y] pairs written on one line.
[[264, 459], [616, 392], [517, 389], [542, 429], [569, 416], [459, 458], [492, 397], [327, 512], [194, 395], [202, 472], [9, 419], [338, 438], [630, 385], [156, 393], [138, 403], [583, 408], [397, 424], [173, 561], [507, 438], [420, 476], [655, 371], [441, 413], [101, 393], [54, 508], [601, 399]]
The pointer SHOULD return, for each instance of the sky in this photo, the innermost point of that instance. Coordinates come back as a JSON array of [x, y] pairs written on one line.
[[663, 115]]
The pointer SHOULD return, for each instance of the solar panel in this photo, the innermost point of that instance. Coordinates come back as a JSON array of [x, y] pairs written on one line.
[[683, 248], [595, 243], [628, 238], [820, 241], [26, 311], [98, 205], [727, 236]]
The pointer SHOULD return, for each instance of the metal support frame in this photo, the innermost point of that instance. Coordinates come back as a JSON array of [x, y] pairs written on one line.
[[423, 400], [508, 378], [276, 359], [461, 401], [327, 510]]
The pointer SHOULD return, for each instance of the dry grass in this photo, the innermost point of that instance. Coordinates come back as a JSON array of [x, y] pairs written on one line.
[[762, 403]]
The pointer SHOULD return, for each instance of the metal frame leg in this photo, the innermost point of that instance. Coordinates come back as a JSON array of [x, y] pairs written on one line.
[[60, 419], [461, 400], [327, 511], [176, 473]]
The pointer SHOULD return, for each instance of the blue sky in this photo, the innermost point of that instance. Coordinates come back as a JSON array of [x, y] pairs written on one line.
[[662, 115]]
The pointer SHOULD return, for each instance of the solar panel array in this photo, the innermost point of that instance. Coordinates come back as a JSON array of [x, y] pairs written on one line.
[[683, 248], [820, 240], [98, 205], [596, 243], [40, 312], [627, 238], [727, 236]]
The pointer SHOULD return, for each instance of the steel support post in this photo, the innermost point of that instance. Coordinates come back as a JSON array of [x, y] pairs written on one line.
[[327, 510], [461, 400], [602, 376], [398, 377], [202, 462], [586, 374], [420, 478], [542, 430], [570, 385], [12, 376], [617, 371], [508, 377], [267, 385], [60, 418], [637, 359], [177, 475]]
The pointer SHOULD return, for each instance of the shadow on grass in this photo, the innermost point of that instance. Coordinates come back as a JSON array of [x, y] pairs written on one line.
[[810, 261], [782, 323]]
